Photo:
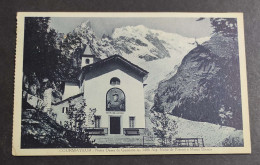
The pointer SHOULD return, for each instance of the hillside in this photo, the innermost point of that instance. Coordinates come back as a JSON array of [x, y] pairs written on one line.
[[39, 130], [206, 86]]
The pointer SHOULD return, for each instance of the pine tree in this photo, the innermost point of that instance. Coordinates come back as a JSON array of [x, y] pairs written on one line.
[[164, 128], [225, 26], [42, 55], [40, 52], [78, 118]]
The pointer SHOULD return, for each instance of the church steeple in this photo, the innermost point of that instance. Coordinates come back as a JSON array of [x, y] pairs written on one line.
[[87, 57]]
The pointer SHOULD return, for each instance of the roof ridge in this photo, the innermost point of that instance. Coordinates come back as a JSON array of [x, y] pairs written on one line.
[[71, 97], [115, 57]]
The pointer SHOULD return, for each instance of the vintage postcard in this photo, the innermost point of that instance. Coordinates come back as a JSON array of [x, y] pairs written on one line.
[[130, 84]]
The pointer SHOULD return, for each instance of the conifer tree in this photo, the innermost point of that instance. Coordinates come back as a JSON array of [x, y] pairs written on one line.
[[164, 127], [225, 26], [40, 52]]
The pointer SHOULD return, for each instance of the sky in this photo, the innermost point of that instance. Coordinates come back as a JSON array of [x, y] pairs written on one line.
[[187, 27]]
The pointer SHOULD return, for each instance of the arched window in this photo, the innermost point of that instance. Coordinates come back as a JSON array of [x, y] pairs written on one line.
[[115, 81], [115, 100]]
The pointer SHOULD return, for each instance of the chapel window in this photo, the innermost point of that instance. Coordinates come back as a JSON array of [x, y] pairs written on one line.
[[131, 122], [65, 110], [87, 61], [115, 81], [97, 121]]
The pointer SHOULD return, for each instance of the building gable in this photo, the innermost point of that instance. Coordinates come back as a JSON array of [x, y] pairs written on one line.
[[112, 63]]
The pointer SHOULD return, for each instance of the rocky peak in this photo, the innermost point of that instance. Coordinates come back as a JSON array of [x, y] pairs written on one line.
[[84, 26]]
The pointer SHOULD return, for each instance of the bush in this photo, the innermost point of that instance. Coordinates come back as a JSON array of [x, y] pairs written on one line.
[[233, 142]]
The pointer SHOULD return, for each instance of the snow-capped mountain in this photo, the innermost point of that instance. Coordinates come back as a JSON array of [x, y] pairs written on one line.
[[132, 42], [148, 44]]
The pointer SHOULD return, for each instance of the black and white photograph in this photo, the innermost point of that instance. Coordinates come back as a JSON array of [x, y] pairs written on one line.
[[130, 83]]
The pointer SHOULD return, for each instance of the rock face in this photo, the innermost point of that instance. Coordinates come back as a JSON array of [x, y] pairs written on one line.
[[84, 35], [206, 86]]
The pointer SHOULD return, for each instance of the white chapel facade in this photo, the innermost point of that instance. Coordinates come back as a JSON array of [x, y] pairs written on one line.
[[114, 87]]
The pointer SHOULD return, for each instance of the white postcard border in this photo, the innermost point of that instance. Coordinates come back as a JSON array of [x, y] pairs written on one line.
[[16, 149]]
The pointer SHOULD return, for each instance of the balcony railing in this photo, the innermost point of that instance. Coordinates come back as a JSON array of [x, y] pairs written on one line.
[[96, 131], [133, 131]]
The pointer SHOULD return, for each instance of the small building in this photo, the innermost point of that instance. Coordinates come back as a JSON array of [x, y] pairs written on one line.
[[113, 87]]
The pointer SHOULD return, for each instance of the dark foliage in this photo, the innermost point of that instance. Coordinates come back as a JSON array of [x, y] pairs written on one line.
[[164, 128], [43, 58], [41, 131], [233, 142], [45, 67], [40, 54], [225, 26]]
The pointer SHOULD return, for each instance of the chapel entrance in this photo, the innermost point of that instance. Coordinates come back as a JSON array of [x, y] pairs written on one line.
[[115, 125]]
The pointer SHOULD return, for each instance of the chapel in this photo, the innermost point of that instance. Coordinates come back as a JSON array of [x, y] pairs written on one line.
[[114, 88]]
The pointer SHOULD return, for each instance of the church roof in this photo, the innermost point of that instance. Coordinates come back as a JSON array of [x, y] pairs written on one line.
[[70, 98], [87, 50], [118, 59], [72, 80]]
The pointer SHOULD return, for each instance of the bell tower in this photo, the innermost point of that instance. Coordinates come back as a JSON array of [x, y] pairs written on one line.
[[87, 57]]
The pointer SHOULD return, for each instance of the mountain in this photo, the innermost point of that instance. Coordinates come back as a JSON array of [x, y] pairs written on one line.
[[130, 41], [139, 41], [85, 35], [149, 44], [206, 86]]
